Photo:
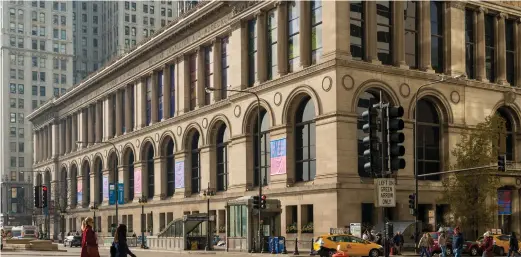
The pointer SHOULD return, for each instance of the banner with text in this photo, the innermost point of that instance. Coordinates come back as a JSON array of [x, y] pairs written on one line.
[[504, 202], [179, 174], [278, 156], [121, 193], [105, 186], [112, 195], [137, 181], [79, 192]]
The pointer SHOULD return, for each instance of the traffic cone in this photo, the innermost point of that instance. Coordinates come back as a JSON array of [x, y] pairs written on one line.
[[392, 251]]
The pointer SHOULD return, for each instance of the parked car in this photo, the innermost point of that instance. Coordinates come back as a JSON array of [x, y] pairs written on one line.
[[72, 241], [472, 248]]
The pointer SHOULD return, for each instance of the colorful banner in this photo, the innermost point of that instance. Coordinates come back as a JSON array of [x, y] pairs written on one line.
[[278, 156], [179, 174], [79, 192], [112, 195], [105, 186], [137, 181], [121, 193], [504, 202]]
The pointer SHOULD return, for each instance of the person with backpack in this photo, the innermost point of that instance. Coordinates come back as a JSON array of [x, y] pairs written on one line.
[[119, 247]]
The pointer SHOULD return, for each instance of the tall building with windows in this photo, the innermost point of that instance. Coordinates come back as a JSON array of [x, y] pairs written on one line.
[[36, 64], [106, 29], [147, 121]]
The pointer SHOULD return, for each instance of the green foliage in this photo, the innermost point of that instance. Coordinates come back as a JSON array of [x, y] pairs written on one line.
[[471, 194]]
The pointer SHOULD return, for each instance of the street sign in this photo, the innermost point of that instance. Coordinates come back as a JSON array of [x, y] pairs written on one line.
[[385, 192]]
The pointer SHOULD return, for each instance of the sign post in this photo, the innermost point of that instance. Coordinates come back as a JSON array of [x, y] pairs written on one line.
[[385, 192]]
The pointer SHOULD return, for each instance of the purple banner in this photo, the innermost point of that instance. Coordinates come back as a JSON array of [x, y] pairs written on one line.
[[79, 192], [179, 174], [137, 181], [504, 202], [278, 156], [105, 186]]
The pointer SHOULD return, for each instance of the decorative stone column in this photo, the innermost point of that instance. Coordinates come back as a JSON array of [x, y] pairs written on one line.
[[68, 134], [262, 45], [517, 36], [90, 125], [217, 71], [305, 33], [481, 74], [371, 32], [35, 146], [83, 128], [119, 113], [74, 135], [167, 79], [160, 178], [282, 37], [201, 77], [129, 102], [49, 141], [141, 104], [425, 37], [154, 98], [57, 138], [501, 50], [399, 35]]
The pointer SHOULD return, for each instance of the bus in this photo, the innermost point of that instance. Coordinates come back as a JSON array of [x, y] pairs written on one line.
[[24, 232]]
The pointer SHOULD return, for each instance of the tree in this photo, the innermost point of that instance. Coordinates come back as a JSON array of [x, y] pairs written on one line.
[[472, 194]]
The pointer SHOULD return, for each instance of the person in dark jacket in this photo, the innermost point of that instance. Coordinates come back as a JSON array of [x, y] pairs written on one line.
[[457, 242], [513, 247], [120, 242], [488, 245]]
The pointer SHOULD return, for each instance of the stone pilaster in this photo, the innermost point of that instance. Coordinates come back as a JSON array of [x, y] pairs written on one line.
[[399, 35], [68, 134], [262, 51], [108, 106], [154, 110], [201, 77], [90, 125], [501, 50], [83, 128], [282, 38], [166, 91], [454, 39], [217, 71], [186, 190], [49, 141], [57, 138], [159, 178], [129, 97], [371, 33], [119, 113], [480, 45], [305, 33], [517, 38], [425, 37], [336, 39], [141, 102], [74, 136], [35, 146]]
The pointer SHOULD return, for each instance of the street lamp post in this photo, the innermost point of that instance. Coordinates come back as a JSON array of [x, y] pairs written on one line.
[[142, 200], [93, 208], [116, 177], [207, 193], [210, 89], [415, 131]]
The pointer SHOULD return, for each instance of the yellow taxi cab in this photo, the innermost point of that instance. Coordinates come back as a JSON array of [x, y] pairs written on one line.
[[354, 246], [501, 243]]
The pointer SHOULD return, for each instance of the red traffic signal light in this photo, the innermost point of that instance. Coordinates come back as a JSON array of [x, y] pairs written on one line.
[[263, 197], [44, 188], [263, 202], [45, 195]]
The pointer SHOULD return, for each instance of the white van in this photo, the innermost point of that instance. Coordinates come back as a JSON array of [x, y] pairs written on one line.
[[24, 232]]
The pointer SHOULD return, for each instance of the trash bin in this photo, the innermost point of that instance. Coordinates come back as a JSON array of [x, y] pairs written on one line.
[[280, 246], [275, 244]]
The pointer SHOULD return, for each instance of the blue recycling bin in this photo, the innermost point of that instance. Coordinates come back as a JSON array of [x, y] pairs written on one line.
[[276, 244], [281, 241]]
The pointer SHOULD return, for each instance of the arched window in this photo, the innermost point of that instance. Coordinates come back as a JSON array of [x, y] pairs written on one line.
[[305, 162], [130, 176], [222, 158], [262, 164], [150, 171], [507, 146], [195, 163], [428, 139], [64, 189], [366, 99], [170, 168], [100, 180]]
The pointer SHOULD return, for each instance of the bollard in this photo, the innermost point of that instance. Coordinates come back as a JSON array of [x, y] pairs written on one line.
[[311, 251], [296, 247], [284, 251]]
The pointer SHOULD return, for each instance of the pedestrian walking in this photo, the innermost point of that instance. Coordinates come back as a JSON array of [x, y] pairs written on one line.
[[398, 243], [424, 246], [488, 245], [457, 242], [365, 236], [442, 241], [322, 251], [89, 244], [513, 246], [119, 247]]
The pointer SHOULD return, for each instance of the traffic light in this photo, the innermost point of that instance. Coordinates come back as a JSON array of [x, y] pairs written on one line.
[[45, 194], [412, 204], [396, 137], [263, 202], [256, 202], [501, 163], [370, 141], [37, 199]]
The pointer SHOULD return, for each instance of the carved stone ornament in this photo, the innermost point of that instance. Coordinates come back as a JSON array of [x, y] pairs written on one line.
[[137, 142], [237, 111], [455, 97], [348, 82], [405, 90], [156, 137], [509, 97], [327, 83], [205, 123], [179, 130], [457, 4], [482, 10], [277, 98]]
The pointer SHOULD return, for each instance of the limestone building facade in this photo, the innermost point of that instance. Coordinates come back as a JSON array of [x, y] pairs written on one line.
[[147, 121]]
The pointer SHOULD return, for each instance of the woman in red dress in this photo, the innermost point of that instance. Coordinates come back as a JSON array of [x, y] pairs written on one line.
[[89, 244]]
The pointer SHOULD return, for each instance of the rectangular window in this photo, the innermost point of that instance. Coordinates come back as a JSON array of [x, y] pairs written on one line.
[[172, 90], [149, 99], [437, 36], [470, 43], [490, 48], [12, 102], [12, 147], [21, 89], [21, 162], [12, 88], [316, 31], [13, 164], [511, 51], [13, 117], [21, 74], [42, 91], [21, 147], [357, 28], [411, 34], [21, 133], [21, 118], [42, 76], [35, 90], [272, 43], [160, 95], [12, 131], [384, 32], [252, 52], [293, 35], [192, 62], [208, 71], [225, 65], [21, 103], [34, 104]]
